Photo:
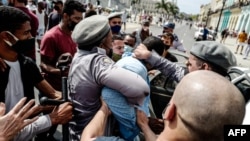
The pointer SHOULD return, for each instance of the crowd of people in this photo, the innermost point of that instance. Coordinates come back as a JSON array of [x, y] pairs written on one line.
[[107, 71], [242, 40]]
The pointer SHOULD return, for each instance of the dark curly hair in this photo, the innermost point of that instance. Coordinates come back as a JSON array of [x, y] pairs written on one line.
[[12, 18], [117, 37], [154, 43], [71, 5]]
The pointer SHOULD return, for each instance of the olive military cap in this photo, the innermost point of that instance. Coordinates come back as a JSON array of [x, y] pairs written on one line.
[[91, 30]]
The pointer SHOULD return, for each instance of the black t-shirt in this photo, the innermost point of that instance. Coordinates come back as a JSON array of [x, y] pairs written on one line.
[[30, 74], [54, 19], [171, 57]]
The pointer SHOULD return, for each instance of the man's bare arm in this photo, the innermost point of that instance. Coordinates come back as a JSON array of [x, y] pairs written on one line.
[[48, 90], [142, 121], [97, 125]]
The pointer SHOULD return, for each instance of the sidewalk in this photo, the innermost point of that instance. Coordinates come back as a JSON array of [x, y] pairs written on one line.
[[231, 44]]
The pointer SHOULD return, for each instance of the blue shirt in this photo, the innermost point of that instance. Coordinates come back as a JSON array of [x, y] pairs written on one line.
[[123, 111]]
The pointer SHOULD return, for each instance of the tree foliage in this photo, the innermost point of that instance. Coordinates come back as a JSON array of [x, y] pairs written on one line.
[[133, 2], [168, 7]]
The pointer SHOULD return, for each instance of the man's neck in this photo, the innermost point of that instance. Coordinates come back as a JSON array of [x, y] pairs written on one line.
[[19, 4], [40, 10], [165, 53], [115, 33], [64, 28], [172, 135]]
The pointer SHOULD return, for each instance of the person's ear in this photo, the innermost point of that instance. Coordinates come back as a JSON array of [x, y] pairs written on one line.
[[8, 37], [206, 66], [66, 16], [170, 112]]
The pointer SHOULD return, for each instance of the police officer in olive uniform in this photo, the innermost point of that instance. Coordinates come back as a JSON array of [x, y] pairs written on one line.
[[91, 69]]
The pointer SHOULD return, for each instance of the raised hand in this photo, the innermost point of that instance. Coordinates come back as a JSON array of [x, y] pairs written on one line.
[[15, 120]]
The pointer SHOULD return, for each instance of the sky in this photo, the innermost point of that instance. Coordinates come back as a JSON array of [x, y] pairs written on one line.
[[191, 6]]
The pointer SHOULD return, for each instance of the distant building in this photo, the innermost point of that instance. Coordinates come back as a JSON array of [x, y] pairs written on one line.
[[231, 14]]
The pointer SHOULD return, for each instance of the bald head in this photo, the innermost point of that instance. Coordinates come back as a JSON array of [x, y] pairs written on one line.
[[205, 102]]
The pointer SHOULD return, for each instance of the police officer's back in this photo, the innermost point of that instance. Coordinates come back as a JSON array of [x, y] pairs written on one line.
[[91, 68]]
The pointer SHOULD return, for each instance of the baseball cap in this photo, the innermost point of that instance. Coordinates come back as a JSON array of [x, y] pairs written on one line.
[[169, 25]]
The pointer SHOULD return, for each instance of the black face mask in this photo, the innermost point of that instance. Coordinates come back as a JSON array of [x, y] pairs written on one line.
[[166, 47], [56, 8], [115, 29], [23, 46], [72, 25]]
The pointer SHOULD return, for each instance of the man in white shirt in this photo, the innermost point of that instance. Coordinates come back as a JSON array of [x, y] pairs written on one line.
[[43, 19], [21, 74]]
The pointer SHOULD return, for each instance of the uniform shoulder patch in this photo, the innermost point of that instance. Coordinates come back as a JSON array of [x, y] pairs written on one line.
[[106, 61]]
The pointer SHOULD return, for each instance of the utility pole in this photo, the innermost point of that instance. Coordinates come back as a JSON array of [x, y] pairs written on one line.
[[223, 4]]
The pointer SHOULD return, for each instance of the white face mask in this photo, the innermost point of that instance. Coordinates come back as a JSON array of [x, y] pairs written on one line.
[[128, 48]]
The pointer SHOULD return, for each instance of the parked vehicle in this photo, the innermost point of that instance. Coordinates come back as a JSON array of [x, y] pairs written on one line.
[[213, 33], [241, 78], [199, 33], [162, 88]]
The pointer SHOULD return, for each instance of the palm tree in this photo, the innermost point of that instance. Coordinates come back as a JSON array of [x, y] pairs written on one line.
[[163, 5], [182, 16], [168, 7], [134, 4], [174, 10]]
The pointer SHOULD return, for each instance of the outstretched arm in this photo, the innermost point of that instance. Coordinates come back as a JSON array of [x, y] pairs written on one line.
[[168, 68], [142, 121], [14, 121], [96, 127]]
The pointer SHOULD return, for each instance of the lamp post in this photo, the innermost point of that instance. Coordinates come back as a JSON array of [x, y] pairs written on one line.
[[223, 4]]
